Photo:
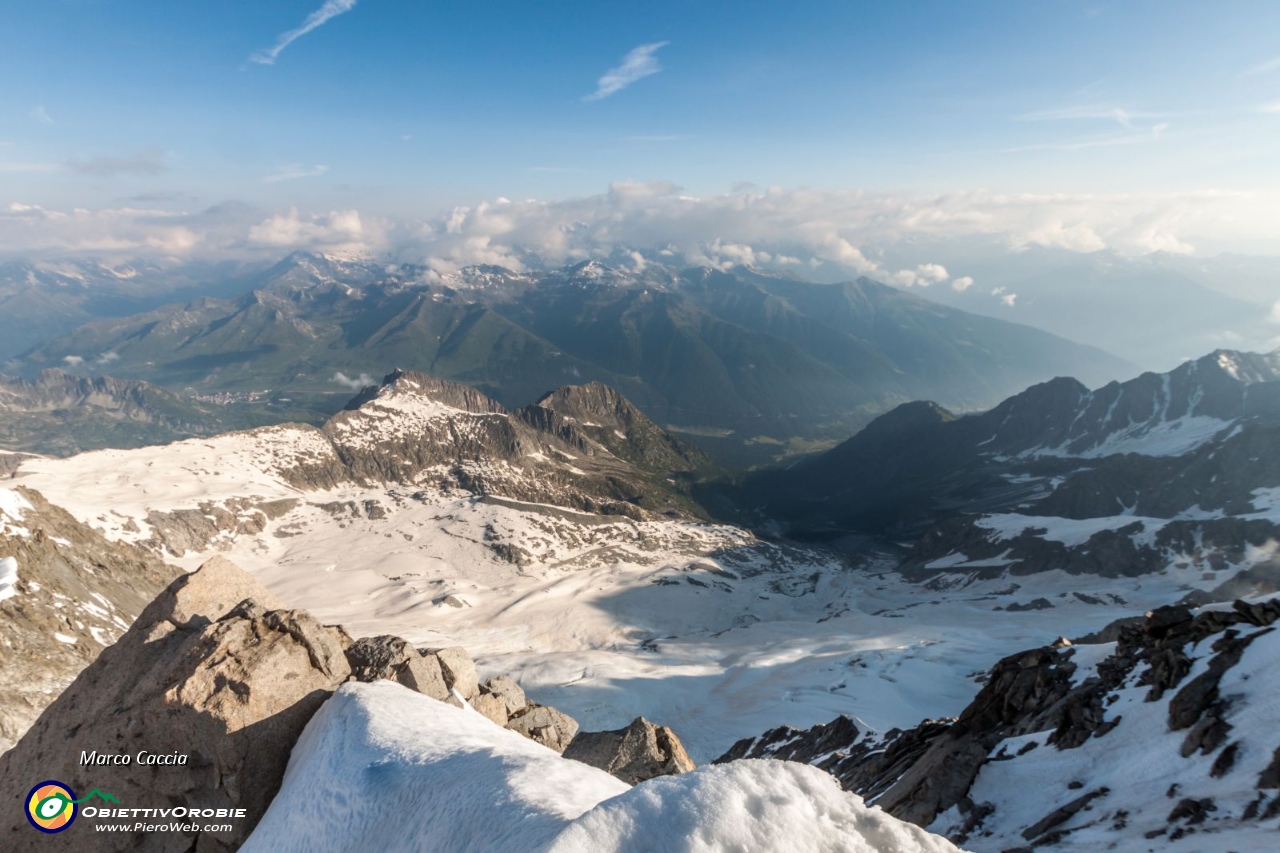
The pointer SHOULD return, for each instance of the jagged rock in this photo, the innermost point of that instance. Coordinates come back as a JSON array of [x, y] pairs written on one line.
[[640, 751], [459, 670], [393, 659], [511, 694], [227, 682], [546, 725]]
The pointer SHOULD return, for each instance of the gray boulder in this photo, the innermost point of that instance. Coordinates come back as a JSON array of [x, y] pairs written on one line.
[[640, 751]]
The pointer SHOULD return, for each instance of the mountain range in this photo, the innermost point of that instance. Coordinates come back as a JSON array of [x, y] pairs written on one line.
[[752, 366]]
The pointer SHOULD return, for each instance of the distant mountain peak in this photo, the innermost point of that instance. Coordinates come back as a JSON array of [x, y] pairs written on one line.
[[401, 385]]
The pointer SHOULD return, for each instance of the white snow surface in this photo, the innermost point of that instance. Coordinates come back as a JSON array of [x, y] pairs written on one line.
[[1172, 437], [380, 767], [1071, 532], [12, 506], [8, 577]]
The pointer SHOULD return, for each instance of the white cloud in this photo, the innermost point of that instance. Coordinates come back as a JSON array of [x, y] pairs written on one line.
[[922, 276], [40, 115], [1273, 107], [1130, 120], [364, 380], [962, 284], [73, 360], [834, 233], [331, 9], [108, 357], [1275, 313], [29, 228], [639, 63], [339, 230], [293, 172], [1004, 296]]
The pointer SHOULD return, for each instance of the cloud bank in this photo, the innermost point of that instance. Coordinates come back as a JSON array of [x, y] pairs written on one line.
[[824, 234]]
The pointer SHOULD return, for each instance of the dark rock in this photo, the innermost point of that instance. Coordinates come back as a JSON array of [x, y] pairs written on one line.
[[1062, 815]]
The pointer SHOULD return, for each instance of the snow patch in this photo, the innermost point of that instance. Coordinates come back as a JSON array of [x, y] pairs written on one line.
[[8, 577]]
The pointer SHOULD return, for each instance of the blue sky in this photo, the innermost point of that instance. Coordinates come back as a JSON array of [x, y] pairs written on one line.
[[402, 109]]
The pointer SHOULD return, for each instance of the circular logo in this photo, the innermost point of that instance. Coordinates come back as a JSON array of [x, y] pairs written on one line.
[[51, 806]]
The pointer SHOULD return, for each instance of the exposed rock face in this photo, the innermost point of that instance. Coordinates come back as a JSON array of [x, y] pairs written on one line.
[[75, 593], [942, 774], [212, 669], [640, 751], [393, 659], [511, 694]]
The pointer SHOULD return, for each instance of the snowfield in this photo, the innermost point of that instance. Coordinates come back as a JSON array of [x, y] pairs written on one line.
[[380, 767], [700, 627]]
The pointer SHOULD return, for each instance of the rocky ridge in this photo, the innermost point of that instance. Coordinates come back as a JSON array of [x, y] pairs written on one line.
[[1161, 734]]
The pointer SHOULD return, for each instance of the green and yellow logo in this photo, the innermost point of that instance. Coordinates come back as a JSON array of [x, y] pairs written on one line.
[[51, 805]]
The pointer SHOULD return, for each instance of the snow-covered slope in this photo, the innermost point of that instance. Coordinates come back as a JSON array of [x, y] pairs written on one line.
[[1163, 739], [380, 767]]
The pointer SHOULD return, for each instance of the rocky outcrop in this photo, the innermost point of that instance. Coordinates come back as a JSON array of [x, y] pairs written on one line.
[[74, 594], [943, 773], [393, 659], [215, 672], [640, 751]]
